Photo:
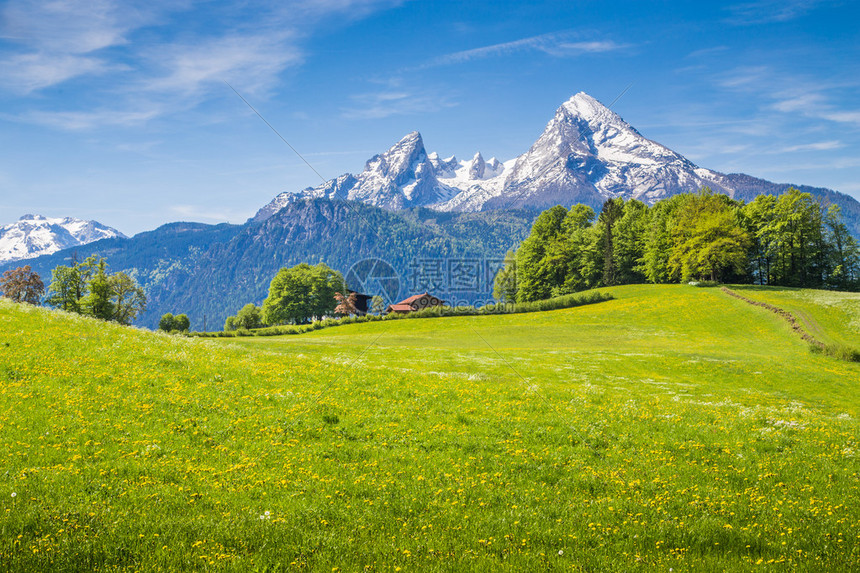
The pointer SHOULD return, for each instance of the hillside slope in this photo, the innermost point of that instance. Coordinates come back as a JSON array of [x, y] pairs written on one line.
[[673, 427]]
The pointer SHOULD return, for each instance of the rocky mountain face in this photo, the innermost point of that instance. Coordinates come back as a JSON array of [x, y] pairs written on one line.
[[586, 154], [35, 235]]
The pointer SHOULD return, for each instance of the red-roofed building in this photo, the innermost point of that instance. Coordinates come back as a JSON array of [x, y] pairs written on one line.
[[415, 302]]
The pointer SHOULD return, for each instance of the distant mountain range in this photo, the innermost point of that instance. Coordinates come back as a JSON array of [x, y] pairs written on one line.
[[436, 224], [35, 235], [586, 154]]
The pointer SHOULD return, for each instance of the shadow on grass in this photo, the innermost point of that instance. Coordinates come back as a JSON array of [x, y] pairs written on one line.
[[764, 288]]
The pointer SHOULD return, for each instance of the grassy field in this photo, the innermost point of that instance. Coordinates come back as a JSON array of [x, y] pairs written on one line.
[[673, 428]]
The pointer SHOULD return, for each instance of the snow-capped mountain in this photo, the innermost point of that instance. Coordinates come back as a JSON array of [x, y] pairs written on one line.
[[586, 154], [402, 177], [35, 235]]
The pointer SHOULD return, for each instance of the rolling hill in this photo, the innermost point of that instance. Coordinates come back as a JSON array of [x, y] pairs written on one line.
[[673, 427]]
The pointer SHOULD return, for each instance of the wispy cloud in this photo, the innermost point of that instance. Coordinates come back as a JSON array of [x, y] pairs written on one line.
[[52, 42], [559, 44], [26, 73], [388, 103], [769, 11], [744, 77], [817, 146], [817, 105], [59, 40], [704, 52], [253, 62], [842, 116], [794, 94], [80, 120]]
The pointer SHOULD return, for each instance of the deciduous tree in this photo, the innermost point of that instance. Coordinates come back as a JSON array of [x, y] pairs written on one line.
[[302, 293], [97, 303], [707, 240], [345, 304], [181, 323], [249, 316], [166, 322], [129, 299], [22, 285]]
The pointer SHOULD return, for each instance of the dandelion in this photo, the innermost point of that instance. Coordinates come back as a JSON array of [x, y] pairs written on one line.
[[560, 552], [14, 494]]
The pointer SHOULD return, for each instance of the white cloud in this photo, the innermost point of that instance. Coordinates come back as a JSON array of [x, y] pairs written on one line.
[[817, 146], [745, 77], [65, 25], [400, 102], [49, 42], [251, 62], [555, 44], [707, 52], [81, 120], [848, 116], [588, 47], [794, 93], [25, 73], [800, 102], [58, 40], [768, 11], [816, 105]]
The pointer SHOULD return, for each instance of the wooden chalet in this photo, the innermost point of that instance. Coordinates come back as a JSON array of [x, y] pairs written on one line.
[[361, 301], [415, 302]]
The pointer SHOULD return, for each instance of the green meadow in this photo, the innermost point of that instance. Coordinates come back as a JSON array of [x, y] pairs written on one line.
[[673, 428]]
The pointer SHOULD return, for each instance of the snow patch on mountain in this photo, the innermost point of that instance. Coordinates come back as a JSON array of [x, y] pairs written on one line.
[[34, 235]]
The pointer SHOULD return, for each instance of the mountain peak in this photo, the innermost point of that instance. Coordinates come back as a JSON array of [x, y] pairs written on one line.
[[477, 167], [401, 160], [590, 109], [36, 235], [411, 139]]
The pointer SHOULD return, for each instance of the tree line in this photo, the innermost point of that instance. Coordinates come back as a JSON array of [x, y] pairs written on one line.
[[789, 240], [83, 287]]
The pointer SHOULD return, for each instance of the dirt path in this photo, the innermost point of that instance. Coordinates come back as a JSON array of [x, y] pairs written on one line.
[[787, 316]]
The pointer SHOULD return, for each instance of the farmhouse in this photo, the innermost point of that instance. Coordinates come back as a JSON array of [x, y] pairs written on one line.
[[361, 301], [415, 302]]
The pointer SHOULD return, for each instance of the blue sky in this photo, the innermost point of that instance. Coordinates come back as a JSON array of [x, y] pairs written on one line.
[[118, 111]]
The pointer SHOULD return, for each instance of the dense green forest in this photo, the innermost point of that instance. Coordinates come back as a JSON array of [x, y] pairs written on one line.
[[790, 240]]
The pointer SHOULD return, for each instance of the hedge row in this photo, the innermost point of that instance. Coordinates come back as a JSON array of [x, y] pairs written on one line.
[[565, 301]]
